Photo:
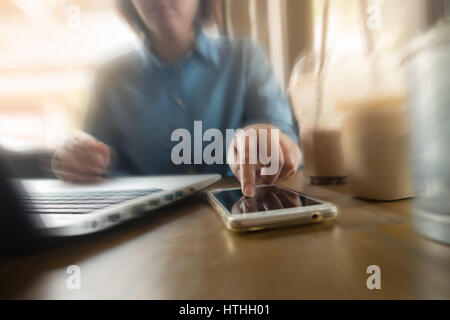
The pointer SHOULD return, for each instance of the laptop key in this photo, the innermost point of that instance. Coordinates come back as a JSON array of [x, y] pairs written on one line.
[[62, 211], [81, 202], [93, 206]]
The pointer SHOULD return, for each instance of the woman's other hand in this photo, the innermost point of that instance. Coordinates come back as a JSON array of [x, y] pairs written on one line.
[[82, 159]]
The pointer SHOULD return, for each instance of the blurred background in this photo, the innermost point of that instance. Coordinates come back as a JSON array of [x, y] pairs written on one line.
[[50, 49]]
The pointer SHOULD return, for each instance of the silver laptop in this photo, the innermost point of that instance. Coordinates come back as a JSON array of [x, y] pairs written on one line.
[[63, 209]]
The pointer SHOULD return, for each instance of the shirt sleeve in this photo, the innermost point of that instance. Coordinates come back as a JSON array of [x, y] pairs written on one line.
[[265, 102], [99, 121]]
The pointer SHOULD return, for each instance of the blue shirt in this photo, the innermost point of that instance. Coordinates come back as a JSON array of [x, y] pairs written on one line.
[[139, 101]]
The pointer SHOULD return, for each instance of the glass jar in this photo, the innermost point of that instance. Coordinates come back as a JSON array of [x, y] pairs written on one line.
[[319, 122], [370, 95], [427, 64]]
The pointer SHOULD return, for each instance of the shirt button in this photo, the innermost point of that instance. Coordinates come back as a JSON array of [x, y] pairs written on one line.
[[179, 102]]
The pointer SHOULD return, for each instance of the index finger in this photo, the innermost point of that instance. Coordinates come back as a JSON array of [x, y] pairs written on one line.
[[247, 174]]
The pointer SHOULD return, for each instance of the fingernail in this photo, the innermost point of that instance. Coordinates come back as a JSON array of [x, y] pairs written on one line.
[[249, 191]]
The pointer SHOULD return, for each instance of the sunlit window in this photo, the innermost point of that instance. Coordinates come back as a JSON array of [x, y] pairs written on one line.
[[48, 52], [392, 23]]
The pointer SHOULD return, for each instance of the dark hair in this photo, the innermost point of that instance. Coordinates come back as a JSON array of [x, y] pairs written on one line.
[[207, 15]]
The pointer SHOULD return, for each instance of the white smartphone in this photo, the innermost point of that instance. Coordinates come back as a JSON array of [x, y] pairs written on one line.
[[273, 206]]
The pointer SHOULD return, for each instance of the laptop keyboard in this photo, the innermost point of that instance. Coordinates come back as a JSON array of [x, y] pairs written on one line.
[[80, 202]]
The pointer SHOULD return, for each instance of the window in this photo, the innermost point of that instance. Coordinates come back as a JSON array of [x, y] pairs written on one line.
[[391, 23], [48, 52]]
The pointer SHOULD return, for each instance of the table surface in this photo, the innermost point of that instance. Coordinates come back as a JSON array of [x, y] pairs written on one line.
[[185, 252]]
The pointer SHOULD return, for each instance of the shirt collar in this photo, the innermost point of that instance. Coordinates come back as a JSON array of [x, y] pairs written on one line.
[[206, 49], [203, 48]]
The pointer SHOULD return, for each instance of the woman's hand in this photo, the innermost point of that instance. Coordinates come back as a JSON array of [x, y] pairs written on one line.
[[285, 157], [267, 200], [82, 159]]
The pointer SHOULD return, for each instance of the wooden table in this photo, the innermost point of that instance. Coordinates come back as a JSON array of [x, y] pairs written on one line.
[[185, 252]]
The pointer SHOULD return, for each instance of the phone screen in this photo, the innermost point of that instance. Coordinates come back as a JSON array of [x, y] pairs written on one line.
[[267, 198]]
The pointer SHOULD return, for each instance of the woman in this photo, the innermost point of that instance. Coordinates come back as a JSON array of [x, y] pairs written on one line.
[[179, 76]]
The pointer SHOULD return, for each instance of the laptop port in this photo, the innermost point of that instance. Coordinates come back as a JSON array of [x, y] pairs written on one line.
[[114, 218], [168, 197], [178, 194], [138, 210], [154, 203]]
